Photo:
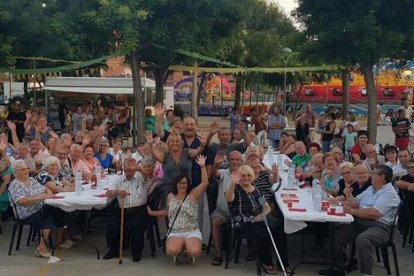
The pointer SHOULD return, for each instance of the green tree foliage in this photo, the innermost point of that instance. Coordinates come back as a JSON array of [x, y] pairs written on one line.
[[352, 31]]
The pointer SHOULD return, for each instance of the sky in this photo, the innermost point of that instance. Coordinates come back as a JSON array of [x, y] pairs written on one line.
[[286, 5]]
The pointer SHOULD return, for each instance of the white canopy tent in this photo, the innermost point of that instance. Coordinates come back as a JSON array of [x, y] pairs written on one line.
[[111, 86]]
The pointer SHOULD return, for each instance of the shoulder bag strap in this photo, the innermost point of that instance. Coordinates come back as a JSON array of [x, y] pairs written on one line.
[[175, 217]]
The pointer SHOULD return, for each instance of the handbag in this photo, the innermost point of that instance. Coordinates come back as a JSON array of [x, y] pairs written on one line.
[[173, 222]]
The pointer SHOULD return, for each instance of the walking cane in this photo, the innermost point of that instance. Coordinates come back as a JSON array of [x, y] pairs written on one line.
[[121, 234], [262, 202]]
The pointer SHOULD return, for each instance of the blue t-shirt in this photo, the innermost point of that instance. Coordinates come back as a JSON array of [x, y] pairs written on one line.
[[104, 163]]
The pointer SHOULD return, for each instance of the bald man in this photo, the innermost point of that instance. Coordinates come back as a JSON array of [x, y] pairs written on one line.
[[373, 159]]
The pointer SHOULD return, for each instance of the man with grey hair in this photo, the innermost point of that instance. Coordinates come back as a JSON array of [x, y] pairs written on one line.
[[374, 212], [301, 157], [131, 191], [373, 159], [221, 214], [224, 145]]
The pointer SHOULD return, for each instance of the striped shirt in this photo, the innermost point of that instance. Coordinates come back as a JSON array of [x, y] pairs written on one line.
[[385, 200], [274, 134], [263, 184]]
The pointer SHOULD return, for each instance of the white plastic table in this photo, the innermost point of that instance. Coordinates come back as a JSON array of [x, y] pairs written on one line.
[[294, 220], [88, 200]]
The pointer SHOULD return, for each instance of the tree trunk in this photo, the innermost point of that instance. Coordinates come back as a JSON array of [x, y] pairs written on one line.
[[239, 88], [159, 85], [372, 101], [345, 92], [194, 101], [139, 105]]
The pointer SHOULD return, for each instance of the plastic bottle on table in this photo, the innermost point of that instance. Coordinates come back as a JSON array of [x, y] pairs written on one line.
[[78, 182], [317, 195], [98, 178]]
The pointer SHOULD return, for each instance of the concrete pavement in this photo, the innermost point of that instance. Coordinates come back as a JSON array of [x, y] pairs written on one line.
[[81, 260]]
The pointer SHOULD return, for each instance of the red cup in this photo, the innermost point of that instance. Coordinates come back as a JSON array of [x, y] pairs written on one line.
[[325, 205], [332, 210], [289, 204]]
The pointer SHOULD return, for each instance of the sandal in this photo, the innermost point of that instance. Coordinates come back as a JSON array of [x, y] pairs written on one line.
[[41, 254], [271, 270], [217, 261]]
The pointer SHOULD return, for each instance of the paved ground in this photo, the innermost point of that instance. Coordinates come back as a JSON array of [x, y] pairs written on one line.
[[81, 260]]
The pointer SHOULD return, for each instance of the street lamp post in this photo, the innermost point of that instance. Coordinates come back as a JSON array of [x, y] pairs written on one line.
[[285, 54]]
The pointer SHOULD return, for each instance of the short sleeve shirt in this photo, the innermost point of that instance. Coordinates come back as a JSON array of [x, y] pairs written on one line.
[[385, 200], [19, 190], [137, 189]]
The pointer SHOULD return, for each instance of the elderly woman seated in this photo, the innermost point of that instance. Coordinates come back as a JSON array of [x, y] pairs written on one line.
[[248, 217], [27, 195], [330, 175], [50, 177]]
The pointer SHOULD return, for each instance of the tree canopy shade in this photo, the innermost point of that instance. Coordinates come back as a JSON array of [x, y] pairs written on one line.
[[354, 31]]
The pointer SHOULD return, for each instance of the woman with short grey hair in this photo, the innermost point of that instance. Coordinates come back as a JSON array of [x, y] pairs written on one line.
[[50, 178], [27, 195]]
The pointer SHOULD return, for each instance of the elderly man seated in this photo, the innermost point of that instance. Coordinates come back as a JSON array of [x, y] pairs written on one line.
[[374, 211], [373, 159], [131, 191]]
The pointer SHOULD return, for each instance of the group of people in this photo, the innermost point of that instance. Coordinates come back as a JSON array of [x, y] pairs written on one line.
[[185, 165]]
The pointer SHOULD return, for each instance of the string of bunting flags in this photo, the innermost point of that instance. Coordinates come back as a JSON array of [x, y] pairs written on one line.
[[90, 66]]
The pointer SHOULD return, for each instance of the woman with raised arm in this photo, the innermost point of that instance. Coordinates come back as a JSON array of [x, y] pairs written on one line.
[[248, 216], [174, 159], [182, 211]]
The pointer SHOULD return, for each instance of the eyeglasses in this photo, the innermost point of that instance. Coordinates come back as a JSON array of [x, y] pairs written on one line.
[[246, 175]]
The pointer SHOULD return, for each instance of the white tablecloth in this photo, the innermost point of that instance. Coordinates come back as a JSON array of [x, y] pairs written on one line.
[[85, 201], [274, 157], [295, 221]]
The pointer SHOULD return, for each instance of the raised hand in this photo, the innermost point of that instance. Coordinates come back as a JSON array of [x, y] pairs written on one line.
[[235, 178], [214, 128], [220, 157], [148, 137], [201, 160], [159, 110], [162, 146], [87, 138], [275, 169], [28, 114], [11, 125], [203, 137]]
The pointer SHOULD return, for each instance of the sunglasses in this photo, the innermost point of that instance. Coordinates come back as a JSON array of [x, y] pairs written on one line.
[[246, 175]]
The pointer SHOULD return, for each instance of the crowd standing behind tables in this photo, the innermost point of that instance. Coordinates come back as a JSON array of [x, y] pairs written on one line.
[[44, 163]]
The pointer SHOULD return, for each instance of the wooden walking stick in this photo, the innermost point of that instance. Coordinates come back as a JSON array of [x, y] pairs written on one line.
[[121, 234]]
